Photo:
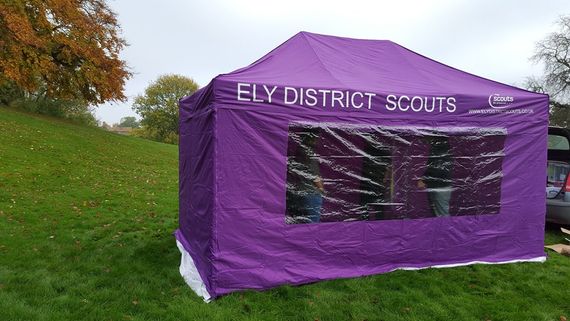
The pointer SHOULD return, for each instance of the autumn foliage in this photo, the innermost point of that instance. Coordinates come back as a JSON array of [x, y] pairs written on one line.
[[67, 49]]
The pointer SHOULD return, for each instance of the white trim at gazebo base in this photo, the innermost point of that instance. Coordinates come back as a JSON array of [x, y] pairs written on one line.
[[539, 259], [190, 274]]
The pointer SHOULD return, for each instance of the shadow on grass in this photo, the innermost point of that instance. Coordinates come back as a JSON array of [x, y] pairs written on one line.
[[159, 252]]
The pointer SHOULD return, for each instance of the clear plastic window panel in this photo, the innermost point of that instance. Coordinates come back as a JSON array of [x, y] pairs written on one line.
[[339, 172]]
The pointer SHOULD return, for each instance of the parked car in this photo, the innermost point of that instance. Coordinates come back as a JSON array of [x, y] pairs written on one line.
[[557, 177]]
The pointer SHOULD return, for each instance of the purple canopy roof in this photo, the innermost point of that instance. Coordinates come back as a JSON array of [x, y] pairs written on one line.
[[240, 138], [380, 66]]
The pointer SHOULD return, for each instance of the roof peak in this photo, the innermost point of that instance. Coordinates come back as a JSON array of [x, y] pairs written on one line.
[[322, 35]]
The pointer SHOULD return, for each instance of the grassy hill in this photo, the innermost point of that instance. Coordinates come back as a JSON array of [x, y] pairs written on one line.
[[86, 218]]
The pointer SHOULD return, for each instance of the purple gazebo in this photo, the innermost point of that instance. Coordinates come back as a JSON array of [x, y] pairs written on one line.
[[333, 158]]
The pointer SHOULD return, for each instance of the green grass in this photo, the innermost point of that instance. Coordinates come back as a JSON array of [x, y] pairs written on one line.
[[86, 218]]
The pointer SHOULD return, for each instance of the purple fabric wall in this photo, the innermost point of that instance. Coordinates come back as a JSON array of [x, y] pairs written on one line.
[[256, 249], [196, 181]]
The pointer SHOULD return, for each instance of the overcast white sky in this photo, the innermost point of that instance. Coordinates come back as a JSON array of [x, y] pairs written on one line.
[[201, 39]]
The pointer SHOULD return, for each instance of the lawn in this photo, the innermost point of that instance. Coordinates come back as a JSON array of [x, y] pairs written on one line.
[[86, 222]]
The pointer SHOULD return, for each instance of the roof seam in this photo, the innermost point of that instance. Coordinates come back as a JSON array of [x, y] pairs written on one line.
[[320, 61], [424, 74]]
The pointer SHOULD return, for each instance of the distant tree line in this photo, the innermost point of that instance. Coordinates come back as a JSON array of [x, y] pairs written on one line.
[[129, 121]]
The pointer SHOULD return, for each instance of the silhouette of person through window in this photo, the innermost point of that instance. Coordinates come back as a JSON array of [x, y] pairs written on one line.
[[437, 177]]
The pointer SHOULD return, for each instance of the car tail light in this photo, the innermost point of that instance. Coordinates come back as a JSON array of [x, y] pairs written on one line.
[[567, 184]]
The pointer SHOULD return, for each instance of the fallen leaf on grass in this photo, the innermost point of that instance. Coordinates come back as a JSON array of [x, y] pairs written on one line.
[[560, 248]]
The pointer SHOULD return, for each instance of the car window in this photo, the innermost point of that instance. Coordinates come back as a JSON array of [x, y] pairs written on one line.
[[558, 142], [556, 173]]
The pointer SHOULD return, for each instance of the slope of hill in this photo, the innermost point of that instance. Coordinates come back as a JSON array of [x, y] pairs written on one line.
[[86, 218]]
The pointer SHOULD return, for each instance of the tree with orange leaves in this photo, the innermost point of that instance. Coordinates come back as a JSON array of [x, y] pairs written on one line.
[[62, 49]]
